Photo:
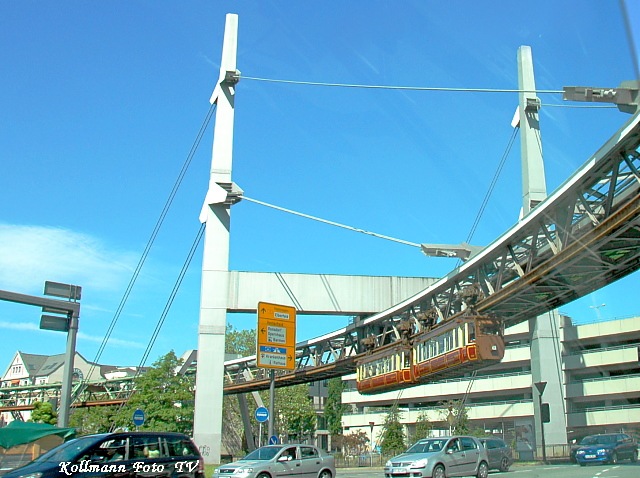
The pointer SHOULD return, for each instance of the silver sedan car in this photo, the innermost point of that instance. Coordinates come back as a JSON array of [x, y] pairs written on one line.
[[440, 458], [276, 461]]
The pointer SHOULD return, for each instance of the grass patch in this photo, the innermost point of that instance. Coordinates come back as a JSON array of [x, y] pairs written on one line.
[[208, 470]]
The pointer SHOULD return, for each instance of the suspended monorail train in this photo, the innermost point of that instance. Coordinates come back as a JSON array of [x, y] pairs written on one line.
[[451, 349]]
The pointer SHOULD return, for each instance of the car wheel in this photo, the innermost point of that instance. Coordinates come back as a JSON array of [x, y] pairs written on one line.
[[614, 458], [263, 475], [583, 464], [438, 472], [483, 470], [634, 456], [504, 464], [325, 474]]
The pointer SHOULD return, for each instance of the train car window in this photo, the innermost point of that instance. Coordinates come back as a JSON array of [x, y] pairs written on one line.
[[489, 328], [471, 329]]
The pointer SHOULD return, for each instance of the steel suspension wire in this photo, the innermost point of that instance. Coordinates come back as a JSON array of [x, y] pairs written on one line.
[[172, 295], [388, 87], [496, 175], [167, 307], [330, 222], [152, 238]]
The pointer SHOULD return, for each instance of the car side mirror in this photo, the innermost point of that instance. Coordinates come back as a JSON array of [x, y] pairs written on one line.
[[449, 451]]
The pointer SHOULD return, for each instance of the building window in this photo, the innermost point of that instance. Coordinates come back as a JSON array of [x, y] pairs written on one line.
[[16, 369]]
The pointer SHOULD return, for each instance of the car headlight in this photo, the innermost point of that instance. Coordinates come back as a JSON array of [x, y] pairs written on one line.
[[580, 452], [420, 463], [603, 451], [245, 470], [388, 463], [37, 474]]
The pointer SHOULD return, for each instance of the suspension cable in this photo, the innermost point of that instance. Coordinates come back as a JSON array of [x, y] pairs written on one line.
[[152, 238], [167, 308], [496, 175], [387, 87], [172, 295], [330, 222]]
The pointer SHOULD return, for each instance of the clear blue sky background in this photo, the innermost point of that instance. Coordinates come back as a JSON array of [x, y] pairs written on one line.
[[101, 102]]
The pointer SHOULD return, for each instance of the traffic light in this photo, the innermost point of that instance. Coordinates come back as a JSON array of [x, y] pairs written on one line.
[[545, 413]]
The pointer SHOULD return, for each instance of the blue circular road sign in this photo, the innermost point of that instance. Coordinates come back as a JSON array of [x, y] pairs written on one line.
[[138, 418], [262, 414], [273, 440]]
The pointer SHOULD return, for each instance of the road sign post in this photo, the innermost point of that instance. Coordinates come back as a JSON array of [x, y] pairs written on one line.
[[276, 336], [262, 415], [138, 418], [276, 342]]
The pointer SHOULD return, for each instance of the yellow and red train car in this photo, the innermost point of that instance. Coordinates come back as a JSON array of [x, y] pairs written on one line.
[[449, 350]]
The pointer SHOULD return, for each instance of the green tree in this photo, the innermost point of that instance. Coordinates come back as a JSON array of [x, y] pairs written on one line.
[[91, 420], [334, 408], [294, 412], [43, 412], [242, 342], [460, 416], [393, 437], [355, 443], [423, 427], [165, 398]]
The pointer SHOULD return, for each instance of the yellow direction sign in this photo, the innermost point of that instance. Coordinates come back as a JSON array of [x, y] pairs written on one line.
[[276, 336]]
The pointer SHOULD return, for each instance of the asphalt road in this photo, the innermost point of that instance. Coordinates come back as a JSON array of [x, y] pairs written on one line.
[[622, 470]]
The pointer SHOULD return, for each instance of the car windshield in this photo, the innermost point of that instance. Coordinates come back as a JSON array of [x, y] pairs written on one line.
[[427, 446], [69, 450], [265, 453], [600, 440]]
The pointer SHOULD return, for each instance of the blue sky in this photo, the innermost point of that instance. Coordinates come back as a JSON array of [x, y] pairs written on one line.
[[101, 102]]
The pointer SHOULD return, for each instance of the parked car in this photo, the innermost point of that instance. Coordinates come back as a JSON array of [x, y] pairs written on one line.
[[499, 453], [144, 454], [606, 448], [439, 458], [274, 461]]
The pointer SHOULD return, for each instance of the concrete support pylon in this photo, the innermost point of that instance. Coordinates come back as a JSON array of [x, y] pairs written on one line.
[[534, 188], [207, 431], [546, 345]]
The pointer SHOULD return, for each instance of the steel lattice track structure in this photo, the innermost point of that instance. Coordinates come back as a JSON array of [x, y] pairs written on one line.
[[583, 236], [102, 392]]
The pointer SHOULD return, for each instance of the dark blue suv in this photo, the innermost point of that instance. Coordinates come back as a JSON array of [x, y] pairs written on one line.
[[118, 455], [606, 448]]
